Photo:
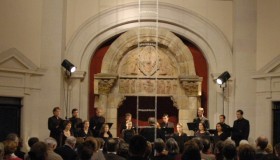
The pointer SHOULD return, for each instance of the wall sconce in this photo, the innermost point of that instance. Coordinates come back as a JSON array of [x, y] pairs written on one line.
[[223, 78], [68, 66]]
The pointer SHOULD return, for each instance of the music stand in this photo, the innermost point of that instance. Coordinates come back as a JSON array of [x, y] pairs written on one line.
[[167, 131], [192, 126]]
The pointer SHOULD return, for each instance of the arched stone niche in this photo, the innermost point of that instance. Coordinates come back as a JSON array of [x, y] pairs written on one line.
[[161, 66], [196, 28]]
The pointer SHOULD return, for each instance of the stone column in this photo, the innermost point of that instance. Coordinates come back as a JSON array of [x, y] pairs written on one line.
[[103, 84], [192, 88]]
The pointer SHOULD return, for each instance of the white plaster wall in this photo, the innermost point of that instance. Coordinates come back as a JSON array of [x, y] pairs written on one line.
[[21, 23], [218, 12], [244, 51], [267, 31]]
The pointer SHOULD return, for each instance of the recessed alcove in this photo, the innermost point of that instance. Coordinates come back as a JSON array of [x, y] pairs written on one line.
[[164, 106]]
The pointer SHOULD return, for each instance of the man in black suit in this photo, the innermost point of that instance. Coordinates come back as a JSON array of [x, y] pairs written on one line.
[[55, 124], [67, 151], [165, 122], [201, 119], [76, 122], [240, 129], [164, 125], [96, 122], [111, 154], [226, 128]]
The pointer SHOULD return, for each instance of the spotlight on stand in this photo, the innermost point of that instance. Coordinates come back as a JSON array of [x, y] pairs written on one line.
[[223, 78], [68, 66]]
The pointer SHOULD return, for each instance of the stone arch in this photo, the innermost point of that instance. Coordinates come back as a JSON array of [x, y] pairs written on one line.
[[167, 39], [197, 29]]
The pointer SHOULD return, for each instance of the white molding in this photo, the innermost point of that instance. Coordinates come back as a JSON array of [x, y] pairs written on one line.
[[26, 65], [18, 73], [269, 69]]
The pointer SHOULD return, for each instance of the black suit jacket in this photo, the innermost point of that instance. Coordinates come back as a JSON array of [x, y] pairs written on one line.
[[77, 125], [240, 130], [96, 124], [66, 152], [55, 127], [168, 125]]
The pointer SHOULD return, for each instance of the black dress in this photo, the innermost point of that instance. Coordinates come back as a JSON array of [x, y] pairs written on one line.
[[180, 140], [128, 134], [83, 134], [220, 137], [101, 135], [62, 139]]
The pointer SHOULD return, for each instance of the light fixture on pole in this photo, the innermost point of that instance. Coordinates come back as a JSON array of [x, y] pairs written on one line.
[[222, 79], [69, 68]]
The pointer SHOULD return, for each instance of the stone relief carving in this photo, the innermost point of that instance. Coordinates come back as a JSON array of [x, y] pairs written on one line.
[[105, 85], [192, 85], [191, 88], [147, 61], [148, 86]]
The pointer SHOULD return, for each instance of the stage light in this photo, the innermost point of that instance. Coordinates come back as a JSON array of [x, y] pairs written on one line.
[[68, 66], [223, 78]]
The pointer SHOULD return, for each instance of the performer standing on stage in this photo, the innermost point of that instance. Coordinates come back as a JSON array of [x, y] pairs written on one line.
[[96, 122], [225, 127], [76, 122], [55, 124], [241, 128], [200, 118]]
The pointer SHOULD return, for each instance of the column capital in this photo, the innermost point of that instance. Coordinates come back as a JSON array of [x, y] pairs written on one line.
[[191, 84]]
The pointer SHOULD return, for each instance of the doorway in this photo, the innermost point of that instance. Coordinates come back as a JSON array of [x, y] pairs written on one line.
[[276, 122], [10, 115]]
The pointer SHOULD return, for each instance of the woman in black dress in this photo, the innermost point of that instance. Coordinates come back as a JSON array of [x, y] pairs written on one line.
[[181, 137], [219, 134], [128, 133], [85, 131], [65, 133], [202, 130], [105, 132]]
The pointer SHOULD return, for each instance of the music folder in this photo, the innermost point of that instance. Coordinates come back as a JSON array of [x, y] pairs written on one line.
[[192, 126], [212, 131]]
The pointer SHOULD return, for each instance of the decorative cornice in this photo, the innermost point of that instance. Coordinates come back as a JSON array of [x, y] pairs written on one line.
[[271, 69], [14, 61]]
